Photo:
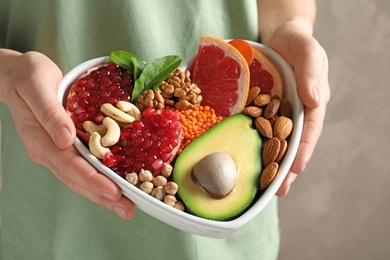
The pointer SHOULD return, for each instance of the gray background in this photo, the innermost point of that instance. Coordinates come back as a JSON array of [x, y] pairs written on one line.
[[339, 207]]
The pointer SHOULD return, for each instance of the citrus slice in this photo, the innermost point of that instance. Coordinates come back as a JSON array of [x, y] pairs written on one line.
[[222, 74], [264, 74], [245, 48]]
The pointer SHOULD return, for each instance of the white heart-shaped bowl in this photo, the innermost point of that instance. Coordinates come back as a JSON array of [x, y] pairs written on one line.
[[183, 220]]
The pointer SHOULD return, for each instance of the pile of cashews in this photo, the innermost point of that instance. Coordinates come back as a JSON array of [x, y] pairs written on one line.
[[108, 133]]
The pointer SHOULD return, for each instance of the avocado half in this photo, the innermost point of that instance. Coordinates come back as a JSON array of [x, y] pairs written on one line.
[[236, 136]]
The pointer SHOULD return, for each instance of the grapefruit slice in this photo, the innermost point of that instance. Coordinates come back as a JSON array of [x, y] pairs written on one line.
[[222, 74], [264, 74], [245, 48]]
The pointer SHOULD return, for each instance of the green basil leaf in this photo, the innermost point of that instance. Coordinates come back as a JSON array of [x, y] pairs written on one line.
[[154, 73], [128, 61]]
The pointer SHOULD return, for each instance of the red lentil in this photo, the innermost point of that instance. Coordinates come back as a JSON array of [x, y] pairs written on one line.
[[196, 121]]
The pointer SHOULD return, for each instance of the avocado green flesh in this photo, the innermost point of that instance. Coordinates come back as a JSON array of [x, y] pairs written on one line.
[[235, 136]]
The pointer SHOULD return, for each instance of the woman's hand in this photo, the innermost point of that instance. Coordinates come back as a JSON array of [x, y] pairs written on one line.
[[310, 65], [29, 88]]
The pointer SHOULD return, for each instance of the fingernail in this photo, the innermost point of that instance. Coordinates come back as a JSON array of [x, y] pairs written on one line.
[[61, 136], [108, 196], [121, 212]]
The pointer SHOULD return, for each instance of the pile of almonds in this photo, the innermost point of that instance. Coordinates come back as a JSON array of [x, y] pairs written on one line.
[[272, 117]]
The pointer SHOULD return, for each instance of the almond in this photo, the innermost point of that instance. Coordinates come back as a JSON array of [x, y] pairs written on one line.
[[268, 175], [285, 108], [264, 127], [270, 151], [253, 111], [283, 127], [262, 100], [282, 151], [272, 108], [273, 119], [252, 94]]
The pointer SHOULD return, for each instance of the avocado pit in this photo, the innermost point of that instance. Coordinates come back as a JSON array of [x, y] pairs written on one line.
[[216, 174]]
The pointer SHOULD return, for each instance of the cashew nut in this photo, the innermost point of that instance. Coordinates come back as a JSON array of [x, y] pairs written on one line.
[[116, 113], [129, 108], [113, 132], [91, 127], [96, 147]]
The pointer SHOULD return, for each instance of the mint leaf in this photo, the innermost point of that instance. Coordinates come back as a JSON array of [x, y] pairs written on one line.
[[154, 73], [128, 61]]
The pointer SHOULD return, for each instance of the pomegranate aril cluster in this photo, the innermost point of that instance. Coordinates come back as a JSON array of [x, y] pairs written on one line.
[[107, 83], [148, 143]]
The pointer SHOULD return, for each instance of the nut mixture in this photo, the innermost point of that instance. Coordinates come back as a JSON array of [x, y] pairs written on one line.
[[176, 91], [160, 187], [273, 119]]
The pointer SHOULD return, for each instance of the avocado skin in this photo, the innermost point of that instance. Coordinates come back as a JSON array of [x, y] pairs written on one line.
[[236, 136]]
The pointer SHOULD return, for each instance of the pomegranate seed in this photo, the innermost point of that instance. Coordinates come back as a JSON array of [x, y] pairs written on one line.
[[173, 141], [175, 117], [138, 166], [166, 122], [154, 137], [161, 131], [155, 151], [84, 95], [157, 165], [115, 149], [150, 158], [176, 125], [165, 157], [118, 93], [112, 88], [149, 112], [166, 147], [83, 117], [116, 79], [156, 119], [112, 68], [118, 159], [138, 125], [125, 80], [128, 162], [137, 150], [79, 89], [147, 144], [146, 134], [125, 97], [82, 81], [88, 84], [140, 157], [99, 119], [103, 74], [109, 160], [112, 100], [126, 133], [138, 141], [79, 110], [172, 133]]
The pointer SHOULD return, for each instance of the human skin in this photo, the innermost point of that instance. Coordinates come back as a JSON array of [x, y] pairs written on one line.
[[29, 88], [30, 82], [287, 27]]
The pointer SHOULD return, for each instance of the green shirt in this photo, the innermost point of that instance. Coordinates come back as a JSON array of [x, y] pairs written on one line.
[[40, 217]]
